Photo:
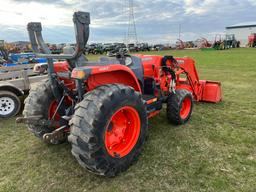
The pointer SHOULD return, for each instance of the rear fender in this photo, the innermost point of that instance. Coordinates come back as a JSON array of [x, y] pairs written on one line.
[[96, 76]]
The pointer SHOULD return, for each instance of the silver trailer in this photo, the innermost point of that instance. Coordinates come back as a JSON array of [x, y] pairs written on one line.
[[15, 83]]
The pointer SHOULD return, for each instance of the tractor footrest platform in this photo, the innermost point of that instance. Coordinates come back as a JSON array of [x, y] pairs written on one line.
[[153, 105], [149, 99]]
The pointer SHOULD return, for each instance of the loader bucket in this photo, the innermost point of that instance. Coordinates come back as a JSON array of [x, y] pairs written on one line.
[[211, 91]]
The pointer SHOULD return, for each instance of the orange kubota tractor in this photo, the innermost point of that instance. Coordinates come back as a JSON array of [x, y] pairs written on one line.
[[103, 107], [252, 40]]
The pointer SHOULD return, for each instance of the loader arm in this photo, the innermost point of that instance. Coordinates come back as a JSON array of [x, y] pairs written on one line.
[[203, 90], [187, 66]]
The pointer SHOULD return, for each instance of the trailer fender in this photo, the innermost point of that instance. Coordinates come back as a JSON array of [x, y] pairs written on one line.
[[10, 87]]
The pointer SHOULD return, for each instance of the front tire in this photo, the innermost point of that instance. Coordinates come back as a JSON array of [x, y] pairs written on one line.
[[179, 107], [108, 129]]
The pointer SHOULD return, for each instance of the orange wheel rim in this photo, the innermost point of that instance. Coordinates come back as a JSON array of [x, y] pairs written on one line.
[[185, 108], [53, 114], [52, 111], [123, 132]]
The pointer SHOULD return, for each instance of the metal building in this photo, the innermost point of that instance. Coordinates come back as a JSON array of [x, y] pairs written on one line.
[[242, 31]]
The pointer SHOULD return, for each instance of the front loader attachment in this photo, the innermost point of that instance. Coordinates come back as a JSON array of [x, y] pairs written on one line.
[[202, 90], [211, 91]]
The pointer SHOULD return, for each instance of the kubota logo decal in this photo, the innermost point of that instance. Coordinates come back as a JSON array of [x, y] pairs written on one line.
[[104, 69], [181, 61], [147, 59]]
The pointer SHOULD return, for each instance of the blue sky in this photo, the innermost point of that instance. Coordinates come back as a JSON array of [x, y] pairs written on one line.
[[157, 21]]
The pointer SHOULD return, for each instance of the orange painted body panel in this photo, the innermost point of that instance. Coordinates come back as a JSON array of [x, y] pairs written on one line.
[[61, 66], [101, 75], [202, 90], [110, 74], [211, 91], [151, 65], [121, 77]]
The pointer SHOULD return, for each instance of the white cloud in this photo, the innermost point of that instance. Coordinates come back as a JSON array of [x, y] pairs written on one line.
[[200, 7], [156, 20], [13, 13], [253, 2]]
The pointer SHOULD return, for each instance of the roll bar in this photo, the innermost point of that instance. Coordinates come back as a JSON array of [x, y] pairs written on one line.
[[81, 23]]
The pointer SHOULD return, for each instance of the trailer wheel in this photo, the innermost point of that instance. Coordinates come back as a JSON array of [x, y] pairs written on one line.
[[40, 102], [108, 129], [9, 104], [179, 107]]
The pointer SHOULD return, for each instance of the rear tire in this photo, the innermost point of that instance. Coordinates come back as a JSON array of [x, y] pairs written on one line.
[[93, 120], [179, 107], [9, 104], [37, 104]]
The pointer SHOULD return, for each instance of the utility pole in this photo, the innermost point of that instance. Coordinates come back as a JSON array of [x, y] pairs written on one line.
[[179, 31], [132, 32]]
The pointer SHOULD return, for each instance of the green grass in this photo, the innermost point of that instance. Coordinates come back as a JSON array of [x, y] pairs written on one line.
[[215, 151]]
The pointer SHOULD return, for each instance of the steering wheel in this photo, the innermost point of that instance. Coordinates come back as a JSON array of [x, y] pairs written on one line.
[[122, 56]]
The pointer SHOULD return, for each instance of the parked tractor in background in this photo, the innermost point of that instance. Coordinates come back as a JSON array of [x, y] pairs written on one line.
[[158, 47], [118, 46], [143, 47], [132, 47], [252, 40], [189, 45], [202, 43], [180, 44], [55, 49], [108, 47], [219, 43], [103, 107], [231, 41]]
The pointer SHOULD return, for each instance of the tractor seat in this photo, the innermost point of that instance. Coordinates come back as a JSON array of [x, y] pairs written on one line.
[[138, 69], [109, 60], [103, 61], [136, 65], [83, 61]]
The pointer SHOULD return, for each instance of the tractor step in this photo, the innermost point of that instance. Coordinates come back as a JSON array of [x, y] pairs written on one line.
[[153, 105], [149, 99]]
